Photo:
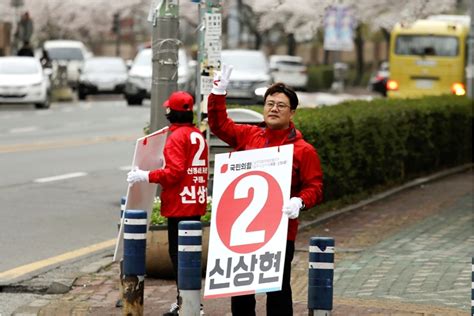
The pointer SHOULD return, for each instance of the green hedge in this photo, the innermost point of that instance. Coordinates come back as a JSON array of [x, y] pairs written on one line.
[[320, 77], [366, 144]]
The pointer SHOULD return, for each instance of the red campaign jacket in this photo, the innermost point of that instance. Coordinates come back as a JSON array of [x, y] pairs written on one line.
[[184, 177], [307, 176]]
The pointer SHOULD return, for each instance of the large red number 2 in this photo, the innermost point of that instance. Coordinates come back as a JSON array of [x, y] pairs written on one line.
[[249, 211]]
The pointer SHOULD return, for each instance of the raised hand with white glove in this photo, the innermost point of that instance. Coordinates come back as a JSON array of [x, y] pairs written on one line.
[[292, 207], [221, 81], [137, 175]]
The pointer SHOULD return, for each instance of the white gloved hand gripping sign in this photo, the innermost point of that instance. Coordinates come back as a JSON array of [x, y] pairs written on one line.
[[292, 207], [137, 175], [221, 81]]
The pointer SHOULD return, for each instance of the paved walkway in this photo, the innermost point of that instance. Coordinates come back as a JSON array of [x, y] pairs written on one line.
[[409, 254]]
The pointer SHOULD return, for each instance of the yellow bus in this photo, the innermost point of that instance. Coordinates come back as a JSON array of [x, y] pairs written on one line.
[[428, 57]]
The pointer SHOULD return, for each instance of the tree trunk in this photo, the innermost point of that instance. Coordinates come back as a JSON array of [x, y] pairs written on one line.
[[291, 44], [386, 35], [314, 54], [326, 57], [258, 40], [359, 43]]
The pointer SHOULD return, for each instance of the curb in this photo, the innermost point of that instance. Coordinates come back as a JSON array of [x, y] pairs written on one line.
[[383, 195]]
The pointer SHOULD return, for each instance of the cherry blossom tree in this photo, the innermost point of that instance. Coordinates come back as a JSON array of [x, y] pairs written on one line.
[[86, 20], [305, 17], [295, 20]]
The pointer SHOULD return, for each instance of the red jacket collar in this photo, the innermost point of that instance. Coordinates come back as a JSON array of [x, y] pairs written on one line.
[[175, 126], [280, 136]]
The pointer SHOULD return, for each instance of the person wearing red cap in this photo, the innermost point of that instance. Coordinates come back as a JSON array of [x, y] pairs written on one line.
[[184, 177]]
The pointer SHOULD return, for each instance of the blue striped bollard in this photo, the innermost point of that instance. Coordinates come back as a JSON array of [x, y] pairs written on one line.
[[189, 267], [134, 249], [119, 302], [472, 287], [320, 276]]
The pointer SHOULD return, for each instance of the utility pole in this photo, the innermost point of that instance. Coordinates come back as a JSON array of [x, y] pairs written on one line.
[[116, 30], [16, 4], [164, 58]]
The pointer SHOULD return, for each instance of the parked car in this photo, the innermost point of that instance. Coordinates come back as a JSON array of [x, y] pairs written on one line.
[[102, 75], [378, 80], [22, 80], [71, 52], [290, 70], [250, 77], [138, 85]]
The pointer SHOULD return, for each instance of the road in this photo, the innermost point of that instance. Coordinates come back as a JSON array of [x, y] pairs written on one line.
[[62, 176]]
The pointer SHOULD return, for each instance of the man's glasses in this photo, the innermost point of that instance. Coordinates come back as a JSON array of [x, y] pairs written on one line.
[[279, 105]]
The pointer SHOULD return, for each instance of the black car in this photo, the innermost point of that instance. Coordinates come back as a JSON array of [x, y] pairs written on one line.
[[378, 80]]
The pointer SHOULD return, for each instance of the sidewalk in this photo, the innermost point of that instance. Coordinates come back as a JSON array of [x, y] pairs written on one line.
[[328, 98], [408, 254]]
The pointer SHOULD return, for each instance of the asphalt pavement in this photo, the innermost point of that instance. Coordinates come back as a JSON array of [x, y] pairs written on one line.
[[404, 253]]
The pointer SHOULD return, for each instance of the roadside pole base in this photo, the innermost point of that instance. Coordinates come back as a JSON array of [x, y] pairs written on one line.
[[191, 302], [133, 292]]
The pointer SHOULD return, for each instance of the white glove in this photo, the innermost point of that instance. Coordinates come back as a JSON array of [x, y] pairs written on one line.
[[137, 175], [221, 81], [292, 207]]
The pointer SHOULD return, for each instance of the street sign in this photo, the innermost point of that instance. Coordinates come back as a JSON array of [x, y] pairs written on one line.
[[248, 229], [338, 25], [212, 50]]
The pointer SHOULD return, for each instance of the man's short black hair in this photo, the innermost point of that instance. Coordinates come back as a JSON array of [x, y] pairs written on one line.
[[180, 116], [280, 87]]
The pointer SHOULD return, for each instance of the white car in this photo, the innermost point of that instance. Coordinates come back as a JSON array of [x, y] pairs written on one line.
[[71, 52], [251, 76], [138, 86], [22, 80], [102, 75], [290, 70]]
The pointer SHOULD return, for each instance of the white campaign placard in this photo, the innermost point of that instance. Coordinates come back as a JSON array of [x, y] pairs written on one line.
[[148, 155], [247, 241]]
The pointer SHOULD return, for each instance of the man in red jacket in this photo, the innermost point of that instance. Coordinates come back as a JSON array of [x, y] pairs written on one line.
[[184, 177], [280, 103]]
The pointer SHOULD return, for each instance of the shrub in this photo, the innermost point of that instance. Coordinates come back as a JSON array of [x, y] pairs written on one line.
[[320, 77], [158, 219], [365, 144]]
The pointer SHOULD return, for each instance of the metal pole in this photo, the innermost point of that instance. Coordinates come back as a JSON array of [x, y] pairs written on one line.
[[134, 249], [164, 59], [189, 267], [320, 276], [119, 302], [209, 48], [16, 4]]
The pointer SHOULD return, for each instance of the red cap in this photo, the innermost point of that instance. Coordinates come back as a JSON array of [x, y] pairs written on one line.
[[180, 101]]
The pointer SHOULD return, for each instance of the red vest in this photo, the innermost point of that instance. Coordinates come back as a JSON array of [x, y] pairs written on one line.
[[184, 177]]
